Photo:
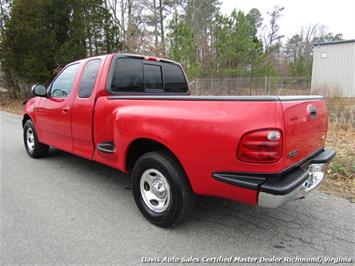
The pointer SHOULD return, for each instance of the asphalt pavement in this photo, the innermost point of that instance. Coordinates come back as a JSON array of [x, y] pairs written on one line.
[[64, 209]]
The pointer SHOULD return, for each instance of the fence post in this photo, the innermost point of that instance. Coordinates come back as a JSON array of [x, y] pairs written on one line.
[[265, 85]]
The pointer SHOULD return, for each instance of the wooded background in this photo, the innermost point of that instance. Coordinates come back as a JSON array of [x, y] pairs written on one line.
[[39, 37]]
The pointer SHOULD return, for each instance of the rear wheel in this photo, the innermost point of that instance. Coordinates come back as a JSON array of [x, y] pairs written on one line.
[[161, 189], [34, 148]]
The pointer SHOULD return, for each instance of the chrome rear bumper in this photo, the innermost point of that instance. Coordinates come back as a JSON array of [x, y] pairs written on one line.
[[316, 174], [276, 189], [315, 170]]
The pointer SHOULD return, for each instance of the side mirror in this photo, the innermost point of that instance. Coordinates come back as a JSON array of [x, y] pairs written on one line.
[[39, 90]]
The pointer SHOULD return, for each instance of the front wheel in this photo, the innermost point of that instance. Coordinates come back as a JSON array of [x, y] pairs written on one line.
[[161, 189], [34, 148]]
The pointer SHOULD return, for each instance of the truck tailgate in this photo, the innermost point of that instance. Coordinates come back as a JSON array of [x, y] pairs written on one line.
[[306, 124]]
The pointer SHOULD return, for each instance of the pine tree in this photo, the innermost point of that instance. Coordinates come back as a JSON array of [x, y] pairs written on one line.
[[42, 36]]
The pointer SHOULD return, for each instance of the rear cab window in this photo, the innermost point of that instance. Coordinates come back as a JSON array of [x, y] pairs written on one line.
[[174, 78], [127, 75], [130, 75]]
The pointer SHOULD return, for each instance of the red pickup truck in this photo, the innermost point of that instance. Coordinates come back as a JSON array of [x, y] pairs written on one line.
[[134, 113]]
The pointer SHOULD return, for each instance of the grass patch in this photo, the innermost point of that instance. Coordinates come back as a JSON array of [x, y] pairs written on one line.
[[7, 104], [341, 170]]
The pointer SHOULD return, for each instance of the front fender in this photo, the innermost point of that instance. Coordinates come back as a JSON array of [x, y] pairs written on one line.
[[30, 113]]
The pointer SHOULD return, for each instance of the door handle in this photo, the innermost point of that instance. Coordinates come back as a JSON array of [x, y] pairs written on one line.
[[65, 109], [312, 111]]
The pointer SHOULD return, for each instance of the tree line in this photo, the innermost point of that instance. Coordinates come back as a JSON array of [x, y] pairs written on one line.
[[38, 37]]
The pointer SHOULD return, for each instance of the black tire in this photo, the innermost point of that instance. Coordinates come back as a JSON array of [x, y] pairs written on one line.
[[38, 149], [181, 196]]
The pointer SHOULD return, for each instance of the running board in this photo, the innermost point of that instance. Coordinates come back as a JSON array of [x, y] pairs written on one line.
[[106, 147]]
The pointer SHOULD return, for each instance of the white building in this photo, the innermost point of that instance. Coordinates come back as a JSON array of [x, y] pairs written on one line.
[[333, 72]]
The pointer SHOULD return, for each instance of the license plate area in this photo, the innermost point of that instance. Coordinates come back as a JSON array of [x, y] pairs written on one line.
[[316, 175]]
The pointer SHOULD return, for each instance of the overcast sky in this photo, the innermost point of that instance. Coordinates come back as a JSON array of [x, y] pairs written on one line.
[[338, 15]]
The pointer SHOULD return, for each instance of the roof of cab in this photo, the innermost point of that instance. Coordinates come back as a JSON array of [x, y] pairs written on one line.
[[148, 57], [145, 57]]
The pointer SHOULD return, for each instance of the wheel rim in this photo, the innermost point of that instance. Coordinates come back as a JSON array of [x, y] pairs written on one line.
[[30, 139], [155, 190]]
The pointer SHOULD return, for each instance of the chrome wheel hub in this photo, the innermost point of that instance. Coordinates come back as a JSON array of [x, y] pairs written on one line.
[[155, 190], [30, 139]]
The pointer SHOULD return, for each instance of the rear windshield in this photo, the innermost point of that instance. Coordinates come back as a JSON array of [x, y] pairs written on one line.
[[153, 78], [137, 75]]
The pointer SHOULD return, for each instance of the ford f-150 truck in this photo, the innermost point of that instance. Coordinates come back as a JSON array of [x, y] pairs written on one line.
[[136, 114]]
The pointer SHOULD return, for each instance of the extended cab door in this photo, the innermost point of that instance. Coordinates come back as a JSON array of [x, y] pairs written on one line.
[[54, 112], [83, 108]]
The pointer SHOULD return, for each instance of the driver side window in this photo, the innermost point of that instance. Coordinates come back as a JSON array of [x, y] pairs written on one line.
[[63, 84]]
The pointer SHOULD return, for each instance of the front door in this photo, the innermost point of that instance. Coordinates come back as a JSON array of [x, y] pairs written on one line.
[[54, 112]]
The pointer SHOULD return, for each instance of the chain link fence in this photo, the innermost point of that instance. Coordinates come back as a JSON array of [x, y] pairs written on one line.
[[247, 86]]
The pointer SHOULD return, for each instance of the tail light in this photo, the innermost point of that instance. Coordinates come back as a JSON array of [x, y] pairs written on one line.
[[261, 146]]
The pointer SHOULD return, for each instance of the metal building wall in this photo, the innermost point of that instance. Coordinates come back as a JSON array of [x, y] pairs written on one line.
[[333, 72]]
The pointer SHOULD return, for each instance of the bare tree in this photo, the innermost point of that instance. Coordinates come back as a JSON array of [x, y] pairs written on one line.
[[272, 39], [158, 11], [200, 15], [298, 48], [3, 13], [161, 17], [129, 22]]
